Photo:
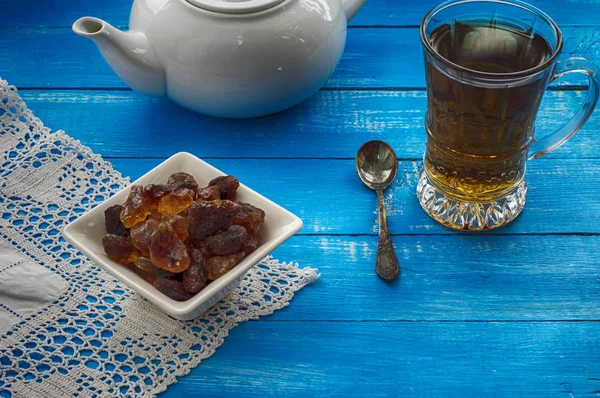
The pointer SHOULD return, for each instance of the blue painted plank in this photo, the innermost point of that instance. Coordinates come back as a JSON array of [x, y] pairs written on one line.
[[332, 124], [373, 58], [272, 359], [330, 198], [376, 12], [448, 278]]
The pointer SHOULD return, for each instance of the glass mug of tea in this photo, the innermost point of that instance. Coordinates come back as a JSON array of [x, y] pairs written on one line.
[[487, 65]]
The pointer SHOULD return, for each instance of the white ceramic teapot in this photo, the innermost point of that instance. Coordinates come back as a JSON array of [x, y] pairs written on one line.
[[228, 58]]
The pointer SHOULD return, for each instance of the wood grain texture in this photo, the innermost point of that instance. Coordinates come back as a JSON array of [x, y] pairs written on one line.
[[448, 278], [330, 198], [362, 64], [264, 359], [332, 124], [32, 13]]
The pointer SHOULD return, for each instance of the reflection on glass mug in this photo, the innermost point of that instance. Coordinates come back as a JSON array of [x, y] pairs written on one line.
[[487, 66]]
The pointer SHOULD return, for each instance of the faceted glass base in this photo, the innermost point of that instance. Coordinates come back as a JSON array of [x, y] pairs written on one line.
[[470, 216]]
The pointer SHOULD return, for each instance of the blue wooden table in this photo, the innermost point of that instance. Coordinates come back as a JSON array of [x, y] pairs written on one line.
[[514, 312]]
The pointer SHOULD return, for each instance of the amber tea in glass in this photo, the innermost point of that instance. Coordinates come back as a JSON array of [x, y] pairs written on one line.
[[487, 65]]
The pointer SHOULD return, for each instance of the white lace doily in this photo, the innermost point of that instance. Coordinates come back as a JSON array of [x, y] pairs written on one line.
[[99, 338]]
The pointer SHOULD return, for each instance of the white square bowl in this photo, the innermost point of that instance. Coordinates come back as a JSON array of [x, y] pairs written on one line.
[[87, 231]]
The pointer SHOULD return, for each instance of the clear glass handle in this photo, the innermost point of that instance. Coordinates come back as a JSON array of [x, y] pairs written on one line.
[[554, 140]]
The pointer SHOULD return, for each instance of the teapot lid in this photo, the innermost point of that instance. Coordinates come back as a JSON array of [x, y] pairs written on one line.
[[235, 6]]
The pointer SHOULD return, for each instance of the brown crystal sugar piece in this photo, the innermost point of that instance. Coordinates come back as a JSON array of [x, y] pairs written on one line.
[[179, 224], [120, 249], [112, 221], [228, 186], [192, 186], [226, 242], [134, 209], [153, 193], [171, 288], [144, 267], [179, 177], [182, 180], [219, 265], [209, 193], [194, 278], [250, 244], [167, 251], [142, 233], [250, 217], [176, 202], [206, 218]]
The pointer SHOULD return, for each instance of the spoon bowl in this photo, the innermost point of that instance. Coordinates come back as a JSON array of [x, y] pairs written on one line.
[[376, 164]]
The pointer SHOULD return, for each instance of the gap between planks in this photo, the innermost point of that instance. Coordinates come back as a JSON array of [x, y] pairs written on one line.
[[267, 319], [378, 26], [551, 88], [452, 232], [419, 159]]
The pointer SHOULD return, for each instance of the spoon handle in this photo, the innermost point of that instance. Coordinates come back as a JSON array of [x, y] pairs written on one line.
[[386, 264]]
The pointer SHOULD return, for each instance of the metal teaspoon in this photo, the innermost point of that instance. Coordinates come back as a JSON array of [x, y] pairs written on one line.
[[377, 166]]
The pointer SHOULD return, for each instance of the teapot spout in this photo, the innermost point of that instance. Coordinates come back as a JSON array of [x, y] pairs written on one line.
[[128, 53], [352, 6]]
